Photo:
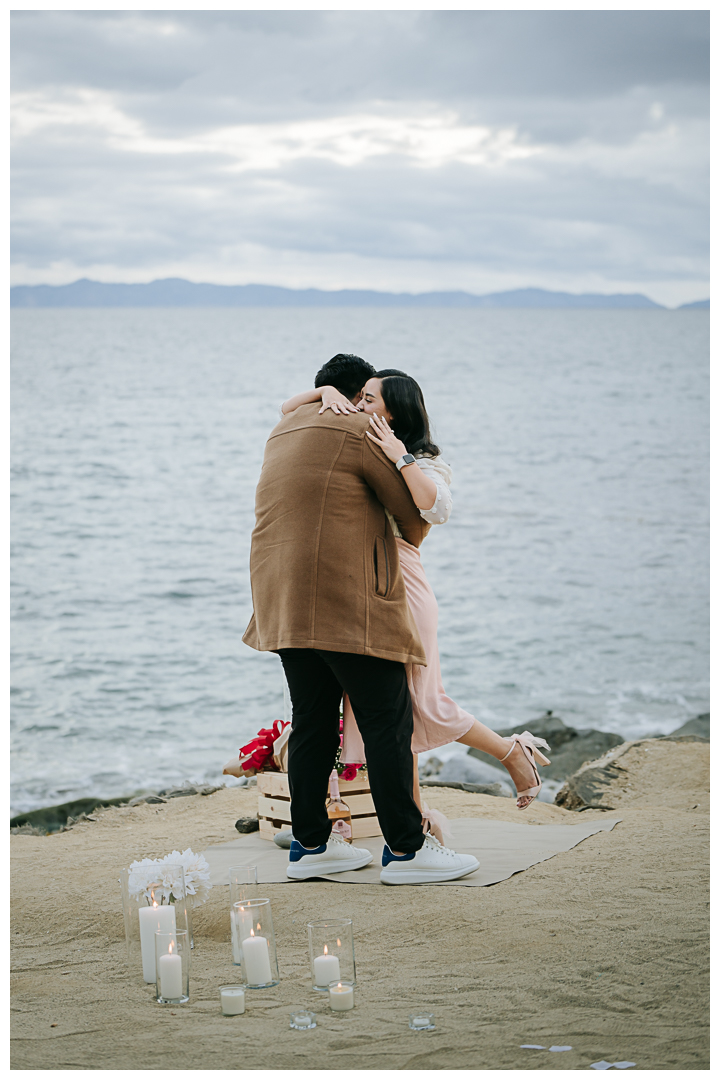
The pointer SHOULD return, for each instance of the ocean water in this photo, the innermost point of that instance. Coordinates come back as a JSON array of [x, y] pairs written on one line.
[[571, 576]]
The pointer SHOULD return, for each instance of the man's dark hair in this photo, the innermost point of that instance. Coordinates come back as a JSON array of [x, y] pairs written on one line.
[[347, 373]]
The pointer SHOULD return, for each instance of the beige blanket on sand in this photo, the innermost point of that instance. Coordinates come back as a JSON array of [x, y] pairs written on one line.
[[501, 848]]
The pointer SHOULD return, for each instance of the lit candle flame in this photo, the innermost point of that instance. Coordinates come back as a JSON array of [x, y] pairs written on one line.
[[252, 932], [326, 952], [170, 947]]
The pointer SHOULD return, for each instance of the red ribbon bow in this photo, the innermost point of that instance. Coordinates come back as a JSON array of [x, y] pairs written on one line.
[[259, 751]]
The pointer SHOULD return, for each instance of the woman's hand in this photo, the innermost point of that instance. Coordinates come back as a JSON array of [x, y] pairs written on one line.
[[382, 435], [333, 399]]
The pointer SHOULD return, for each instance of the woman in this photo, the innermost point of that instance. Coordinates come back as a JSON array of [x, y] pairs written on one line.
[[399, 425]]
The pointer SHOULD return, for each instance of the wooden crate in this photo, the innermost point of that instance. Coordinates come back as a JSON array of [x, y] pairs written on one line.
[[274, 805]]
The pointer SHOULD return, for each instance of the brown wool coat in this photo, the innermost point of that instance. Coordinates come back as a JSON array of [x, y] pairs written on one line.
[[324, 566]]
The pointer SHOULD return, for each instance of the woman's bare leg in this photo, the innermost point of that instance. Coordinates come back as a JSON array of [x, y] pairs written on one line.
[[416, 783], [485, 739]]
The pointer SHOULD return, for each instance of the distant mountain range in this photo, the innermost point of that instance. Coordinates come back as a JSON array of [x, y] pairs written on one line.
[[176, 292]]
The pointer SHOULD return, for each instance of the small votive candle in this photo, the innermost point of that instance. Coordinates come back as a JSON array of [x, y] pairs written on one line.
[[232, 1000], [341, 996], [422, 1022], [302, 1020]]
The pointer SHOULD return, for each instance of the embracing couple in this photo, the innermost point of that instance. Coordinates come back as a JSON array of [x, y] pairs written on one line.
[[346, 495]]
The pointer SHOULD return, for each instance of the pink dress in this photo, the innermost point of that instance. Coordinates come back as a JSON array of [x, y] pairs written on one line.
[[438, 720]]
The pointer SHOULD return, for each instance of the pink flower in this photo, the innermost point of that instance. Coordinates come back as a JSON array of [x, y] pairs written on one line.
[[350, 772]]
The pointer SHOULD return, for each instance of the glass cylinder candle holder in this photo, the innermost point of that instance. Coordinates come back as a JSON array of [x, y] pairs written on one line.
[[243, 883], [243, 886], [254, 943], [332, 953], [154, 898], [172, 966]]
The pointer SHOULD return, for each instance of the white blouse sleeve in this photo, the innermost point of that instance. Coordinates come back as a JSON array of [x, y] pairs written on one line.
[[441, 473]]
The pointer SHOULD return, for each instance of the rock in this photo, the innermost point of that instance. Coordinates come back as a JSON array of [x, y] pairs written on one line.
[[209, 789], [586, 790], [154, 799], [464, 769], [284, 838], [430, 768], [53, 818], [179, 793], [588, 746], [500, 790], [549, 790], [699, 725], [27, 830], [247, 824]]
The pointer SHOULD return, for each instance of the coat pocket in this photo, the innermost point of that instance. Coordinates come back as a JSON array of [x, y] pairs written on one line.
[[382, 567]]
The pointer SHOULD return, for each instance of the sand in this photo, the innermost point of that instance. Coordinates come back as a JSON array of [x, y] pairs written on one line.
[[603, 948]]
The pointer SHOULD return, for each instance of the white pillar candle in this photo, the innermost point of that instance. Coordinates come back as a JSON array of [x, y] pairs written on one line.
[[326, 969], [232, 1001], [341, 997], [170, 975], [157, 917], [256, 956]]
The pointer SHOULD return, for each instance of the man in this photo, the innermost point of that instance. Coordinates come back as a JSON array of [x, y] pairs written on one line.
[[329, 597], [347, 373]]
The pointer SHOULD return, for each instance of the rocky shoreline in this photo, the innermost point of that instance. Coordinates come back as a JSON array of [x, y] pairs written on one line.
[[584, 763], [572, 750]]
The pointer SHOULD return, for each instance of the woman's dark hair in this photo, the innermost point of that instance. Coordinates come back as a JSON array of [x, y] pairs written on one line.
[[404, 401], [346, 372]]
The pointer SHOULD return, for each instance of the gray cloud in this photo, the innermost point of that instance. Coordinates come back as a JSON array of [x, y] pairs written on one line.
[[594, 165]]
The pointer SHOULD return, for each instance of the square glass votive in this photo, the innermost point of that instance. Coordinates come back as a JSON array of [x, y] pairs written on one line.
[[342, 996], [232, 1000], [422, 1021], [302, 1020], [332, 953], [172, 967], [254, 943]]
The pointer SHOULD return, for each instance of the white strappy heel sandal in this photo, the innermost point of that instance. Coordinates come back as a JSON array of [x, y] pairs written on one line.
[[529, 744]]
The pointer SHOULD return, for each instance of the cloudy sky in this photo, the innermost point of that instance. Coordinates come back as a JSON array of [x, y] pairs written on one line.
[[396, 150]]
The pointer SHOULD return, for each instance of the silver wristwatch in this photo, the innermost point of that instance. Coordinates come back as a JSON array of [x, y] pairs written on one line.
[[406, 459]]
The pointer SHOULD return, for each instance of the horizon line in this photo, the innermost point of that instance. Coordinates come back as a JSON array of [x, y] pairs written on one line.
[[355, 289]]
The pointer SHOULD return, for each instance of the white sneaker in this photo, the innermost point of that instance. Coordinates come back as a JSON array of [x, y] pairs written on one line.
[[335, 857], [433, 862]]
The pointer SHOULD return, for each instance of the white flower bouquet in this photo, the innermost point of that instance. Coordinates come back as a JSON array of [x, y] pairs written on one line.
[[159, 877]]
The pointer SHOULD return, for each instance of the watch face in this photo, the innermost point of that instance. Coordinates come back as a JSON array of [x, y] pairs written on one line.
[[408, 458]]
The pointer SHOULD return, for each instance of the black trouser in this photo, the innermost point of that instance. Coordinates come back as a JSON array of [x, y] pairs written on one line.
[[380, 698]]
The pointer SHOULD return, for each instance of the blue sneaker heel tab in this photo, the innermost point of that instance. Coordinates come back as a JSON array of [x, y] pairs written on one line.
[[388, 857], [297, 850]]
